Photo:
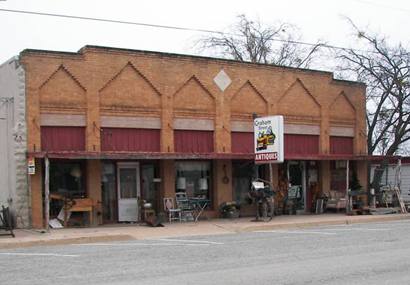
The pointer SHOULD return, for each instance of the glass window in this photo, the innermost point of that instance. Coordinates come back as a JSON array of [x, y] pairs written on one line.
[[67, 178], [194, 178], [128, 183]]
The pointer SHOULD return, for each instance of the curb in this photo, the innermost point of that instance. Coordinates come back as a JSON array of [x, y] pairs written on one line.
[[64, 241], [229, 228], [346, 221]]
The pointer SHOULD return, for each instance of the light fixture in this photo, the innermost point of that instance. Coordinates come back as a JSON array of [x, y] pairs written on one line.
[[203, 184], [181, 183], [75, 172]]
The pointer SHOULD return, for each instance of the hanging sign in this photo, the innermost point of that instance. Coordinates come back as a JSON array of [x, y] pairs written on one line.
[[268, 139], [31, 166]]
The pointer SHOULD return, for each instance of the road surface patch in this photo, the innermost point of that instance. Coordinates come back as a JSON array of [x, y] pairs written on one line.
[[296, 232], [37, 254]]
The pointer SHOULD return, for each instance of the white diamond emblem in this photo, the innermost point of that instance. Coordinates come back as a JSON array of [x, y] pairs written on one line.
[[222, 80]]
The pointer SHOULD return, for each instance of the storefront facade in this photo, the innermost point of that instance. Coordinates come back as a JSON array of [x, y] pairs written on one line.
[[120, 126]]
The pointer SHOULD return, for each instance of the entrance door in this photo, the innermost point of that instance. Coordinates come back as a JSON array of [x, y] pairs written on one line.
[[297, 178], [128, 178]]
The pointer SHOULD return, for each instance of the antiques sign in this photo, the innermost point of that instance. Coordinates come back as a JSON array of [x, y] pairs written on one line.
[[268, 139]]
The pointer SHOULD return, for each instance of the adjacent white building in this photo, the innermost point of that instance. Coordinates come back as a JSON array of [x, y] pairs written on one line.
[[397, 176], [13, 143]]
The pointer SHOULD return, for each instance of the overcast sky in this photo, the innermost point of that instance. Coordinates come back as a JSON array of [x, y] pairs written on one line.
[[317, 19]]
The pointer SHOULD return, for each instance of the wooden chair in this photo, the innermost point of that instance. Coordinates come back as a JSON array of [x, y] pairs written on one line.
[[173, 213]]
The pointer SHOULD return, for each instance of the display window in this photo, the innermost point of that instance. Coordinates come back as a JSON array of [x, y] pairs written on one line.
[[68, 178], [194, 178]]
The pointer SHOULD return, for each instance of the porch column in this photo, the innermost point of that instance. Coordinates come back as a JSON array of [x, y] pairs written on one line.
[[325, 175], [222, 182], [168, 180], [274, 175], [36, 191], [362, 176], [94, 189]]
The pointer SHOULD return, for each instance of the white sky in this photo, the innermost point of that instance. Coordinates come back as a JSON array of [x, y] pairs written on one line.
[[317, 19]]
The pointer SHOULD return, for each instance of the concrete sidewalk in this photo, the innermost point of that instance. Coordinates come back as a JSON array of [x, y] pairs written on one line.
[[26, 238]]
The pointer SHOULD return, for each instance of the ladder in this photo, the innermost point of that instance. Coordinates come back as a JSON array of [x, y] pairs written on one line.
[[402, 206]]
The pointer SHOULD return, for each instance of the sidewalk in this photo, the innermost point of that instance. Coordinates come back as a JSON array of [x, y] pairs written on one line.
[[26, 238]]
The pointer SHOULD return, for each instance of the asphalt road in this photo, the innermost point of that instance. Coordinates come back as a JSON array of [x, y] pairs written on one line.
[[375, 253]]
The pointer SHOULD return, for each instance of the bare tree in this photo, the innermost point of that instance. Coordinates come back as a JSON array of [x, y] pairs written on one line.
[[253, 42], [385, 69]]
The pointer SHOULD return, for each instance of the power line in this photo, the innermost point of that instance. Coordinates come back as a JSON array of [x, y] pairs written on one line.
[[108, 21], [156, 26], [171, 27]]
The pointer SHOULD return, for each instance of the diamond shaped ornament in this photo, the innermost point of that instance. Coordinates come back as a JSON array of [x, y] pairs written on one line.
[[222, 80]]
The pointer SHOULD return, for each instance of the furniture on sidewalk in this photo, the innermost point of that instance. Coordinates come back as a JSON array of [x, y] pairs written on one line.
[[173, 212], [79, 205], [6, 222], [199, 205], [336, 200], [146, 210], [71, 205], [183, 203]]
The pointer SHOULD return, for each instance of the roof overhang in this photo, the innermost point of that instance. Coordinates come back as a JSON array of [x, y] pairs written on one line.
[[118, 155]]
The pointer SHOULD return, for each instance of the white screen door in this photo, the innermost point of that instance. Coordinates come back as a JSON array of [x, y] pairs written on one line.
[[128, 191]]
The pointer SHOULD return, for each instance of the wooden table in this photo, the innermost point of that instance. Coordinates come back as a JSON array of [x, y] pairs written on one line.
[[79, 205]]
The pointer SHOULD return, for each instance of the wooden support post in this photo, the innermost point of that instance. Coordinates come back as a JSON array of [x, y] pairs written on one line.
[[349, 204], [47, 192]]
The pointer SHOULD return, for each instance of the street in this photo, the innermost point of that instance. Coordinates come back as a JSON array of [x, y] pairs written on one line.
[[372, 253]]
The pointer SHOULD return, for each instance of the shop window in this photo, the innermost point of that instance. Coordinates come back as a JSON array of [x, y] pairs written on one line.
[[67, 178], [194, 178]]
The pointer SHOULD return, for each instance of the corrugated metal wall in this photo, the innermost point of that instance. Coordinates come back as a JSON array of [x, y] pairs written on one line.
[[62, 138], [124, 139], [341, 145], [242, 142], [188, 141], [298, 145]]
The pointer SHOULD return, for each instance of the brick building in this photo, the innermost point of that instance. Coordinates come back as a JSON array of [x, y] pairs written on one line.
[[120, 124]]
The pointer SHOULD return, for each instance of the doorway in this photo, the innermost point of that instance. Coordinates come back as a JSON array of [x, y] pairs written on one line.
[[297, 184], [128, 187]]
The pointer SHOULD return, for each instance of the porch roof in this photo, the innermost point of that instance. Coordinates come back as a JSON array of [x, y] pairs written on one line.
[[119, 155]]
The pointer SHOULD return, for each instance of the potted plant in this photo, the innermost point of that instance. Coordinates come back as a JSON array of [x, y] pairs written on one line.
[[229, 210]]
